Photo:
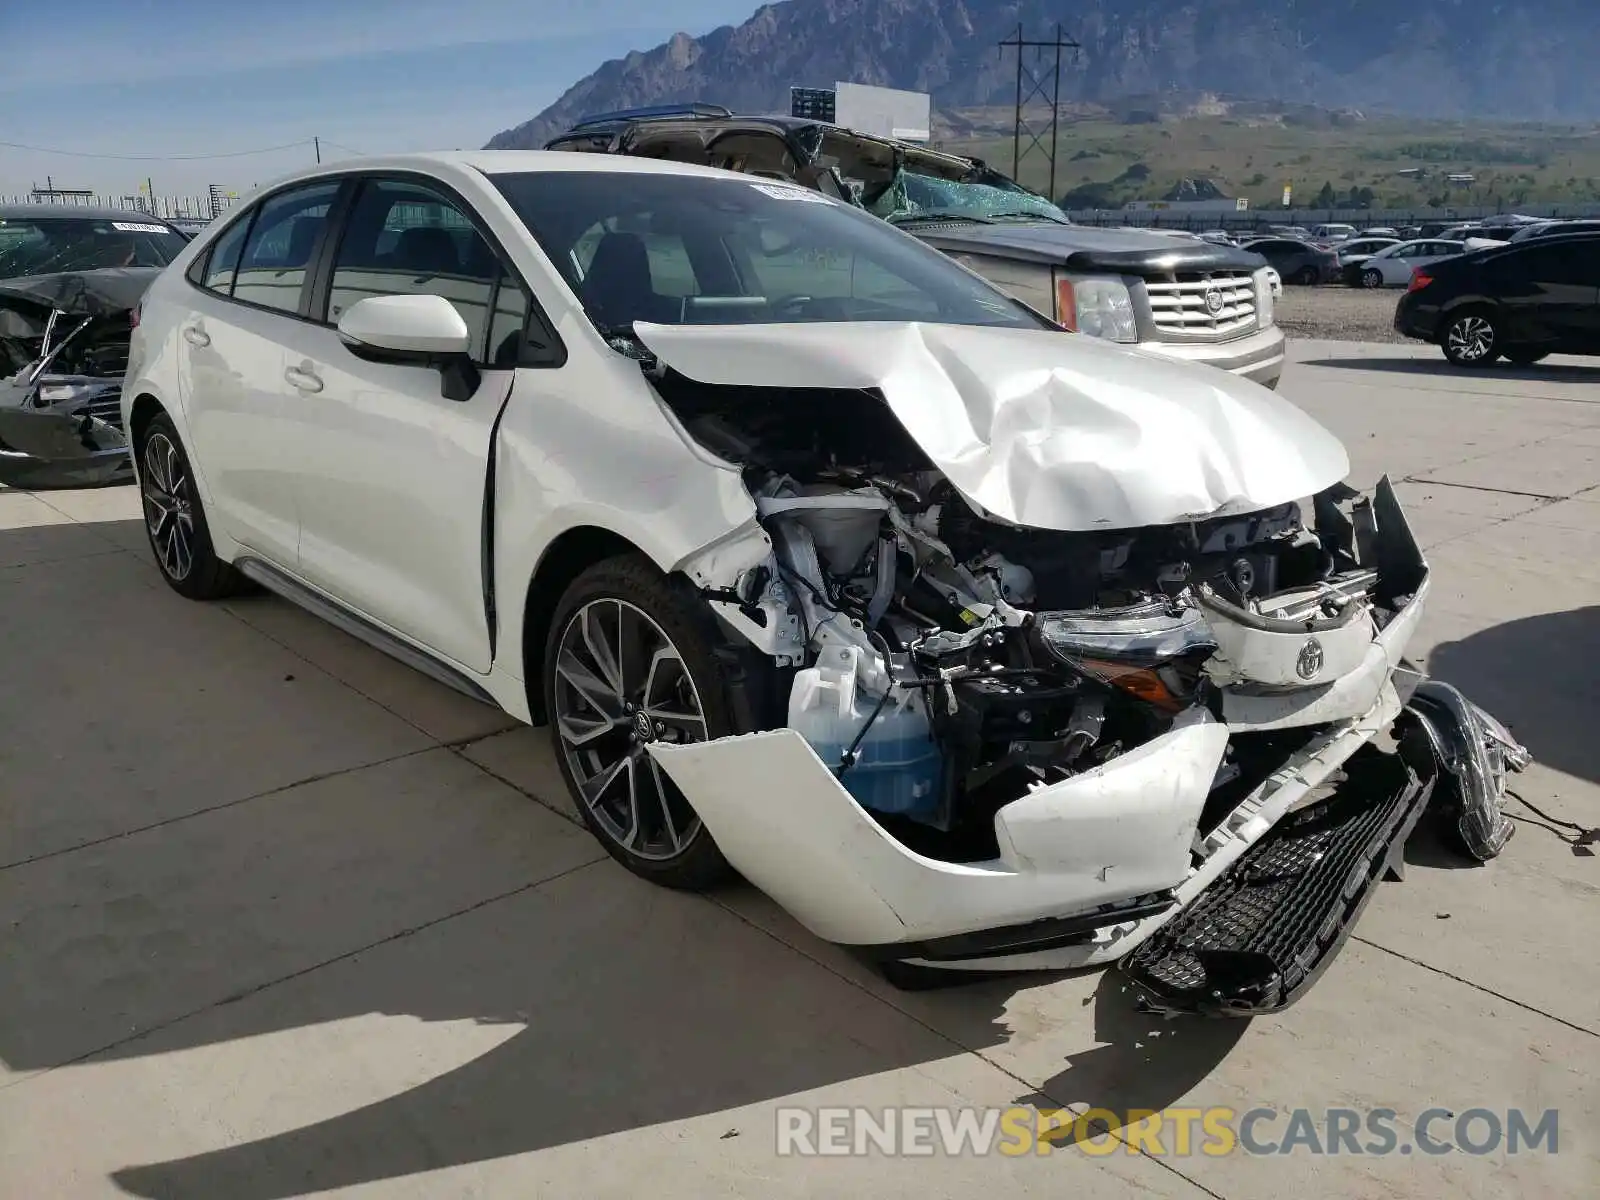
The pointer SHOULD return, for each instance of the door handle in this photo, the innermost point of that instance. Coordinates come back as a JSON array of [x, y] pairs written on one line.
[[303, 378], [196, 336]]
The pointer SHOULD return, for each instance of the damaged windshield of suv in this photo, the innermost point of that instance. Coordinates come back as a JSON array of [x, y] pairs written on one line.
[[688, 249], [910, 196], [48, 243]]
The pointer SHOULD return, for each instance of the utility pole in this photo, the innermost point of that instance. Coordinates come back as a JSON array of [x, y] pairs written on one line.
[[317, 142], [1036, 90]]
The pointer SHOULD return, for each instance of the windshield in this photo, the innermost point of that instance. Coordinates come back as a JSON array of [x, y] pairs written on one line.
[[44, 244], [910, 196], [691, 249]]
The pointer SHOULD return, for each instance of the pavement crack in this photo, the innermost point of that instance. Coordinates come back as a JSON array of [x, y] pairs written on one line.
[[219, 807], [1522, 1004], [1476, 487], [266, 985]]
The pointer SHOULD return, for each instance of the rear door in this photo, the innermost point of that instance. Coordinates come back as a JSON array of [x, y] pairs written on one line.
[[244, 303], [391, 475]]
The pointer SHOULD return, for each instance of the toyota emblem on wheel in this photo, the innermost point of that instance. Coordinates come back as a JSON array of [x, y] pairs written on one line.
[[1310, 661], [1213, 301]]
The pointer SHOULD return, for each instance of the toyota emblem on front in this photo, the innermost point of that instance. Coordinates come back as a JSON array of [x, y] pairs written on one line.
[[1310, 661], [1213, 301]]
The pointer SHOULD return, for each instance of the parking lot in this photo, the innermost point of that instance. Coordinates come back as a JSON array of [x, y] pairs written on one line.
[[281, 916]]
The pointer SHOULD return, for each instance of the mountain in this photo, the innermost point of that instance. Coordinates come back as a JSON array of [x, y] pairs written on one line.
[[1503, 59]]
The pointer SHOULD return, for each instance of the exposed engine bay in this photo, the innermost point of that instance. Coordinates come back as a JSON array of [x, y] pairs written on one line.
[[946, 662]]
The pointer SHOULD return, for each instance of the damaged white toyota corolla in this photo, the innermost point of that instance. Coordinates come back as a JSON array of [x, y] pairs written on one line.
[[977, 644]]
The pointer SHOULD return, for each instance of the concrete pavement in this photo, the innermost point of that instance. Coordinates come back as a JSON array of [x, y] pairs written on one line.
[[280, 916]]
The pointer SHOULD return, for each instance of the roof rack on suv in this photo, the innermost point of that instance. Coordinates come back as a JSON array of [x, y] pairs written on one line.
[[655, 112]]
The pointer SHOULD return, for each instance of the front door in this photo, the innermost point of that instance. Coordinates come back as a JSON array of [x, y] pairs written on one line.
[[231, 368], [392, 475]]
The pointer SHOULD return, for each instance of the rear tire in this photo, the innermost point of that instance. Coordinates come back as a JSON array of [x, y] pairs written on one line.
[[1305, 277], [1371, 278], [175, 520], [1471, 338], [1526, 358], [628, 659]]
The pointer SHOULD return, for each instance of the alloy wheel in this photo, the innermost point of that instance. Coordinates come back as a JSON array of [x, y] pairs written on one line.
[[620, 684], [1371, 279], [1471, 338], [168, 506]]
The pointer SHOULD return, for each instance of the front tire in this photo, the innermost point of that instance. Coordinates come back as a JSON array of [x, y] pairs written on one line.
[[1471, 339], [175, 520], [628, 660], [1305, 276]]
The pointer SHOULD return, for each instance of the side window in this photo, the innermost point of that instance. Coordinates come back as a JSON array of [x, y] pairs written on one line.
[[404, 239], [216, 270], [272, 269], [507, 323], [1546, 265]]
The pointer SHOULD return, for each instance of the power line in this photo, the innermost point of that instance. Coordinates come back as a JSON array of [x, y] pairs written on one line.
[[160, 157]]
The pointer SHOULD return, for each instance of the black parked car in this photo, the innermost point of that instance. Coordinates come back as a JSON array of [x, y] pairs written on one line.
[[1523, 300], [1297, 261]]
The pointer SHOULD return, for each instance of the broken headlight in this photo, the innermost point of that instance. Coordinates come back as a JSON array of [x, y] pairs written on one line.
[[1151, 650]]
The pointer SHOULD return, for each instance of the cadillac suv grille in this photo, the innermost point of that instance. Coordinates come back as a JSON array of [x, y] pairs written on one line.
[[1203, 305]]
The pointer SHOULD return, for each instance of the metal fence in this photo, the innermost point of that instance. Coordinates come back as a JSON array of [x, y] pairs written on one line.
[[202, 208], [1361, 218]]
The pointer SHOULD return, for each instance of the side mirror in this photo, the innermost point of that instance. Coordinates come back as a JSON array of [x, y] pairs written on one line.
[[423, 331]]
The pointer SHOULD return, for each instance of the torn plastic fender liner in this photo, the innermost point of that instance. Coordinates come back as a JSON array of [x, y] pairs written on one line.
[[1120, 831]]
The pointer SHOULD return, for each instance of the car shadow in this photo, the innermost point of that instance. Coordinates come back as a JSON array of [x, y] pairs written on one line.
[[1539, 372], [1537, 675], [624, 1006]]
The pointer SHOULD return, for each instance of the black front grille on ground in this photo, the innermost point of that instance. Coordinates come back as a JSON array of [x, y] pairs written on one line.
[[1260, 935]]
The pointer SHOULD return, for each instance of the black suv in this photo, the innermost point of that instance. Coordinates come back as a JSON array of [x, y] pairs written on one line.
[[1523, 300]]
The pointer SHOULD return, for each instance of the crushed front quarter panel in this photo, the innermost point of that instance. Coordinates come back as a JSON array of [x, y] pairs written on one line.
[[1038, 427]]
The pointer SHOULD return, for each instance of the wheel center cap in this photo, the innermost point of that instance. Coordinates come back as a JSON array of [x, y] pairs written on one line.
[[643, 729]]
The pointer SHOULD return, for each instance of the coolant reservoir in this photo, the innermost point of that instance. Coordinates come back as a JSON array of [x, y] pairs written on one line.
[[898, 767]]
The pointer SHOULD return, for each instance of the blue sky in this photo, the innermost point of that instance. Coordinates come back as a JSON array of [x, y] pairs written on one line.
[[183, 77]]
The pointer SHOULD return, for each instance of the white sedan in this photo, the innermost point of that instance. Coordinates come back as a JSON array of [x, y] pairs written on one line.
[[1392, 267], [972, 641]]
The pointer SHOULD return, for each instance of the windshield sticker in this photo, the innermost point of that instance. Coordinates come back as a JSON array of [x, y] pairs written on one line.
[[782, 191], [133, 227]]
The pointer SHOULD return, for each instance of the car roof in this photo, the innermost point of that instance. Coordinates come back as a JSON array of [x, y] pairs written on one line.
[[495, 162], [82, 212]]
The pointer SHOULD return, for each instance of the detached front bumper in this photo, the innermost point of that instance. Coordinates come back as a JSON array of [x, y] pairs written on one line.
[[62, 446]]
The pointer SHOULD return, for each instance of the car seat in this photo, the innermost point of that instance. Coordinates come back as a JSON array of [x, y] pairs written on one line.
[[618, 288]]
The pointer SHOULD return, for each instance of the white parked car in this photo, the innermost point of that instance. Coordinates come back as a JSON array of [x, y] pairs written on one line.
[[1392, 267], [974, 642], [1333, 233]]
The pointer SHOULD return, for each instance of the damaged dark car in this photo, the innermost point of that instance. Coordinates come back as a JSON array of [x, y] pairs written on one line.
[[70, 284]]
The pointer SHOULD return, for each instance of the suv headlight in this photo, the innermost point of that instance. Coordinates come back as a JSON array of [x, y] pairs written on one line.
[[1101, 307], [1264, 315]]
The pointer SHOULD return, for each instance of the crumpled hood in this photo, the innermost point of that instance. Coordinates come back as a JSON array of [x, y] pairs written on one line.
[[1051, 430]]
